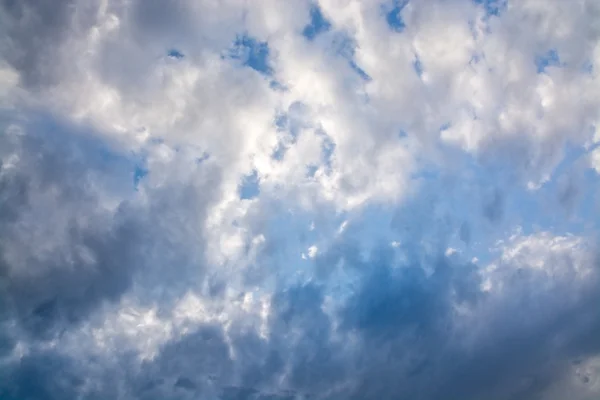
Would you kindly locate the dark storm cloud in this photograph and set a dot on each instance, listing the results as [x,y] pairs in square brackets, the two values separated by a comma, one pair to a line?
[197,363]
[44,375]
[413,318]
[64,253]
[72,235]
[54,277]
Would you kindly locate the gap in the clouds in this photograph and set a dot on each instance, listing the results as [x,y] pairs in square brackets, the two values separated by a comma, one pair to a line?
[492,7]
[175,54]
[341,42]
[327,150]
[474,204]
[249,188]
[277,86]
[318,23]
[588,67]
[279,152]
[361,72]
[289,124]
[392,15]
[252,53]
[140,172]
[294,119]
[87,145]
[445,127]
[565,204]
[418,66]
[282,125]
[549,59]
[297,238]
[346,48]
[569,204]
[311,170]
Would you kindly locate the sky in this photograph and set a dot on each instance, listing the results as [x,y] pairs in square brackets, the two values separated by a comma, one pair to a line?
[299,199]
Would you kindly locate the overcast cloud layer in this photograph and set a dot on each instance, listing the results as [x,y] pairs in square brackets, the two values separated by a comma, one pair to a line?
[332,199]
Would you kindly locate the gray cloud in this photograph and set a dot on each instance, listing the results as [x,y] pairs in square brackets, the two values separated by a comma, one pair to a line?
[82,249]
[34,35]
[62,253]
[73,234]
[407,341]
[397,335]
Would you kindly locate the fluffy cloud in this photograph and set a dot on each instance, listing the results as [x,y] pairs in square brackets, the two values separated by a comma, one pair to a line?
[292,200]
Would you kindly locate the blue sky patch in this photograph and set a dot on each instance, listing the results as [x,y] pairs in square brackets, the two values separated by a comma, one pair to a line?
[277,86]
[311,170]
[361,72]
[393,17]
[346,48]
[289,124]
[318,23]
[250,186]
[279,152]
[418,66]
[139,173]
[327,149]
[175,54]
[252,53]
[492,7]
[550,59]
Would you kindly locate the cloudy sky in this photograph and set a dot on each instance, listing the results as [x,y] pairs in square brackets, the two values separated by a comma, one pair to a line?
[299,199]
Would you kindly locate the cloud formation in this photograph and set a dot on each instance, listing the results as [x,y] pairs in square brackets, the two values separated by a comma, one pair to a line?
[299,200]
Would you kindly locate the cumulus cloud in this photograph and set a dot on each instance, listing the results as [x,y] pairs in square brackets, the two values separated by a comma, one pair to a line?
[330,199]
